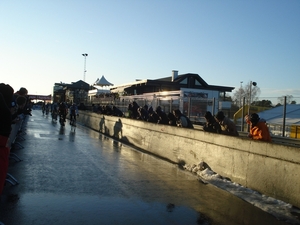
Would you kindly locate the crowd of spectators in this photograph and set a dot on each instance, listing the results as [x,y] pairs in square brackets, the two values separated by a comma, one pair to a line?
[14,106]
[146,113]
[218,123]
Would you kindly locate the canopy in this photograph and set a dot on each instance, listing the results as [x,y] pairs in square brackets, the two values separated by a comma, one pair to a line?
[102,82]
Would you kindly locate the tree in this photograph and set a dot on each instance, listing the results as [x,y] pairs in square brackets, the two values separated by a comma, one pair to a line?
[226,97]
[244,92]
[289,100]
[263,103]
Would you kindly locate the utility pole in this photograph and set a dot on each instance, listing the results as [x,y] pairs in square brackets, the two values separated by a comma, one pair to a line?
[84,70]
[254,84]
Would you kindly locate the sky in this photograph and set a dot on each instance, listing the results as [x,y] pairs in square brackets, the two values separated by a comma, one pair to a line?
[225,42]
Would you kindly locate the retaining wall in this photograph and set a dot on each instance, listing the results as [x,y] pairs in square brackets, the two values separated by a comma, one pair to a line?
[271,169]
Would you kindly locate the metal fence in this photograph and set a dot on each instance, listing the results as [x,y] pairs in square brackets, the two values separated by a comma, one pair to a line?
[195,108]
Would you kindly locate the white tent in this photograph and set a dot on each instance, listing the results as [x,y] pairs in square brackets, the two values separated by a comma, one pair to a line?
[102,82]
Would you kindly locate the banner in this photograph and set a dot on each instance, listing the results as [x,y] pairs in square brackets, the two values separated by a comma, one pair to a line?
[40,97]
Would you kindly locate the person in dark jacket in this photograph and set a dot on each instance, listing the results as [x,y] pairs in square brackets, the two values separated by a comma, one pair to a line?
[227,126]
[163,118]
[172,119]
[6,97]
[182,120]
[134,109]
[117,112]
[153,117]
[143,114]
[211,124]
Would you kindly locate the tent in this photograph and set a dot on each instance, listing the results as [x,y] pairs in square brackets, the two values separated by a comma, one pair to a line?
[275,115]
[102,82]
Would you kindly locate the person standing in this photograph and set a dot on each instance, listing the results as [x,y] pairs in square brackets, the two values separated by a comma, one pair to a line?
[6,97]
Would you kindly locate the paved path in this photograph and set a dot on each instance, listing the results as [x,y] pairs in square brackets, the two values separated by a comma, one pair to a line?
[87,178]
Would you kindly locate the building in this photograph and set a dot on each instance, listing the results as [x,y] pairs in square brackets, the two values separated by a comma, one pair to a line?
[188,92]
[76,92]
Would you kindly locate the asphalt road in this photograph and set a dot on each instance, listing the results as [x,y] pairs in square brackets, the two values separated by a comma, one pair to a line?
[83,177]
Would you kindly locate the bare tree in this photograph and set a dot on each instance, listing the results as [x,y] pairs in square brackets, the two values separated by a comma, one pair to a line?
[244,91]
[289,100]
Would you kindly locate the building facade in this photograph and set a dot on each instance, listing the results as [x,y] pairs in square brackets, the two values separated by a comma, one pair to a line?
[76,92]
[188,92]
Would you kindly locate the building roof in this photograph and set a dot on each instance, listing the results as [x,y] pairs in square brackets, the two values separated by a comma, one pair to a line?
[188,80]
[275,115]
[77,85]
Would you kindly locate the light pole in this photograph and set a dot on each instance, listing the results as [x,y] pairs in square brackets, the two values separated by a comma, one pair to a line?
[84,71]
[241,93]
[254,84]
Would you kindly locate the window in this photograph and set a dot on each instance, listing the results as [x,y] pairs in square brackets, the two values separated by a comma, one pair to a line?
[197,83]
[184,81]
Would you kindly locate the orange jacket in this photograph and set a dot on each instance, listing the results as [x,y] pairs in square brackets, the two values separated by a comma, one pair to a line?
[260,131]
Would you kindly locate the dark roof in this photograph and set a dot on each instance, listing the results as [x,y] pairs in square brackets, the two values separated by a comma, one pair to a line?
[196,77]
[188,80]
[78,85]
[182,77]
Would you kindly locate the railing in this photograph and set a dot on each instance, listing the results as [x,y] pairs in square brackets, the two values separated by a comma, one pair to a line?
[195,108]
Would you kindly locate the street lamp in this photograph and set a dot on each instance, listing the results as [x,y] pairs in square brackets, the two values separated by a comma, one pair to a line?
[254,84]
[84,71]
[241,88]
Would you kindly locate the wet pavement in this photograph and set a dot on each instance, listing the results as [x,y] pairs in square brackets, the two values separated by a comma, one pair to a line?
[83,177]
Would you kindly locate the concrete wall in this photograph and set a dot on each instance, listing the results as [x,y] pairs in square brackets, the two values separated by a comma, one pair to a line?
[268,168]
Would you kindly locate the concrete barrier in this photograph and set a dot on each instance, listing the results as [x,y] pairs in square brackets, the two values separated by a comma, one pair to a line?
[268,168]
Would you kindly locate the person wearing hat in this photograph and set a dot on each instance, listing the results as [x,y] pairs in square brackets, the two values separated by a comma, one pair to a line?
[227,126]
[211,124]
[258,128]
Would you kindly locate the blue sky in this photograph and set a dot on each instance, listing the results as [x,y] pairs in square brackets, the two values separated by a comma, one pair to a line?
[225,42]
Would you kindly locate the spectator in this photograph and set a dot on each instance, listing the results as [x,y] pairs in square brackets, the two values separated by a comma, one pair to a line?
[153,117]
[134,110]
[163,118]
[172,119]
[6,96]
[145,112]
[182,120]
[108,110]
[211,124]
[227,126]
[94,108]
[258,128]
[99,109]
[22,101]
[117,112]
[22,91]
